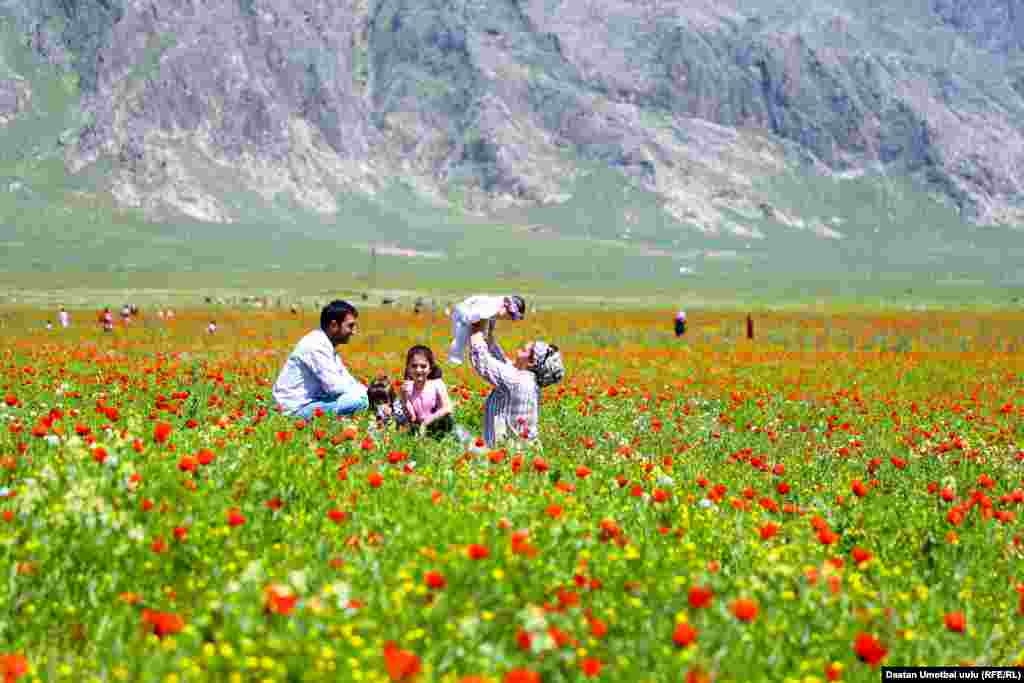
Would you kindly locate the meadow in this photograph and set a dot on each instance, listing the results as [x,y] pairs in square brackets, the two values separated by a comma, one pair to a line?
[843,492]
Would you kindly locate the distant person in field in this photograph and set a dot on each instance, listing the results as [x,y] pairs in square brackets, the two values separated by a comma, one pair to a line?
[107,320]
[477,308]
[314,375]
[212,327]
[64,318]
[512,410]
[126,314]
[680,323]
[425,398]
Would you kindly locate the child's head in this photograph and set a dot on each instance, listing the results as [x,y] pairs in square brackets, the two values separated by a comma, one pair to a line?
[515,307]
[379,392]
[420,364]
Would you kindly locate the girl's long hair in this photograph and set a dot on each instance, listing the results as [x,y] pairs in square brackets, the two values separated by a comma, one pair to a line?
[421,350]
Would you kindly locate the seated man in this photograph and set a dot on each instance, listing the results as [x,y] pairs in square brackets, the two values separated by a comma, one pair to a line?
[314,376]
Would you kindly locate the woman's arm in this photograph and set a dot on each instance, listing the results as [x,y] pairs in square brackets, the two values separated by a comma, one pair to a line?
[492,342]
[491,369]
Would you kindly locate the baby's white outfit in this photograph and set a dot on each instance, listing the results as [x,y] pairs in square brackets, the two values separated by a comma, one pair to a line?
[473,309]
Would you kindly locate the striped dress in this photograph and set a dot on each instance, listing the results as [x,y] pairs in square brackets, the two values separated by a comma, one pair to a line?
[512,409]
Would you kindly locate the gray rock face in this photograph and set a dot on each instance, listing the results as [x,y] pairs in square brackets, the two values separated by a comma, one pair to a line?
[505,99]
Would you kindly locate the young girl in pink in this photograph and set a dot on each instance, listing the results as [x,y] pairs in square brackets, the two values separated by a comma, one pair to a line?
[424,395]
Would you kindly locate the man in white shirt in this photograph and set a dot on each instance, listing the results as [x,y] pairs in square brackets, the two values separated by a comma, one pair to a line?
[64,317]
[314,376]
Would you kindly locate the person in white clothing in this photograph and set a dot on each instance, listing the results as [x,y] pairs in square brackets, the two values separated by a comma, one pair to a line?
[314,377]
[475,309]
[64,317]
[212,327]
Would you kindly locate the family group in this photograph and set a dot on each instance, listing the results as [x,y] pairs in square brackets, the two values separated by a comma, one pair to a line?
[315,381]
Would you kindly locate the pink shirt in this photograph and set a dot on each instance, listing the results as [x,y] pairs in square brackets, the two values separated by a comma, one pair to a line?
[422,404]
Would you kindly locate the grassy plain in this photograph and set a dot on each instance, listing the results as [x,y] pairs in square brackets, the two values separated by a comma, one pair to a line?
[843,492]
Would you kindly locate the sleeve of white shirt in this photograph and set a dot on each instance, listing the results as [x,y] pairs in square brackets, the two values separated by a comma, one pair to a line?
[335,378]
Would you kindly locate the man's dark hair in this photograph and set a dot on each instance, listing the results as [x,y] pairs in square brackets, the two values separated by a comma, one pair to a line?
[336,310]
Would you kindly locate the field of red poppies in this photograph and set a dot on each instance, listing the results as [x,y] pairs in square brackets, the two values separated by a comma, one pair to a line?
[840,493]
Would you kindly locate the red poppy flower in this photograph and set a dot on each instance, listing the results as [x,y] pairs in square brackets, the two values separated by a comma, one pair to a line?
[520,542]
[275,503]
[700,596]
[583,471]
[435,580]
[477,552]
[860,555]
[827,536]
[553,511]
[187,464]
[540,465]
[235,517]
[402,665]
[278,600]
[684,635]
[181,533]
[768,530]
[375,479]
[161,431]
[744,609]
[162,623]
[697,675]
[598,628]
[522,676]
[591,667]
[337,515]
[859,489]
[13,667]
[204,457]
[955,621]
[869,649]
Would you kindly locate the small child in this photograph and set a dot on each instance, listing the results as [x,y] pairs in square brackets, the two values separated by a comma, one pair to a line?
[424,395]
[477,308]
[384,402]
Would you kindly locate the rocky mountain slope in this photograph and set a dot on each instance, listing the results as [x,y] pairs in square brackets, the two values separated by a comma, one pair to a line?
[720,118]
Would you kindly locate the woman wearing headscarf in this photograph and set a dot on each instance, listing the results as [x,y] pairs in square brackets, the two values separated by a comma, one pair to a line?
[512,410]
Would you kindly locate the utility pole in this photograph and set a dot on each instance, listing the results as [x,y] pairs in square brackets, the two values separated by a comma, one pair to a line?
[372,274]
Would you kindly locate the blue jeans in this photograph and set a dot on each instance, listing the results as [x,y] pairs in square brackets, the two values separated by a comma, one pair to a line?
[346,404]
